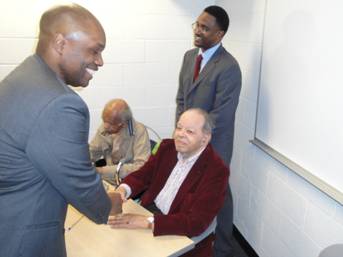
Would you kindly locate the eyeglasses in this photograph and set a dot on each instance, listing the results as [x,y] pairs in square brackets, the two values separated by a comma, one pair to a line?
[200,27]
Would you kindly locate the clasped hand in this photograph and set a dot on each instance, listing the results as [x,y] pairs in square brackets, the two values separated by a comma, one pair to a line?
[127,220]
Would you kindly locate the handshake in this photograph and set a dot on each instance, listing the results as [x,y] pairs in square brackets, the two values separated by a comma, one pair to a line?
[117,198]
[127,220]
[117,203]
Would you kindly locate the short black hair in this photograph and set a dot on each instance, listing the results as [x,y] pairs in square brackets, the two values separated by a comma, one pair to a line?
[221,16]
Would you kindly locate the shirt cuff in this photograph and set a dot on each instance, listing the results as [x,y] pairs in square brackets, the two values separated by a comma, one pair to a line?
[127,190]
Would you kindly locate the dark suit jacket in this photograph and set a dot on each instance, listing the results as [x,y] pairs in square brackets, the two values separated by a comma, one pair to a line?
[44,162]
[199,198]
[216,91]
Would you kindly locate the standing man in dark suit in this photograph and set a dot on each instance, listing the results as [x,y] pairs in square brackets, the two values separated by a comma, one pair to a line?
[212,82]
[44,157]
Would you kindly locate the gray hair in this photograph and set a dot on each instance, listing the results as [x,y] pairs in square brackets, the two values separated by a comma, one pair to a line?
[124,111]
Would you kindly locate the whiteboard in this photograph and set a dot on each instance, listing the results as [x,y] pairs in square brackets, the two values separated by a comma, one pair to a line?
[300,105]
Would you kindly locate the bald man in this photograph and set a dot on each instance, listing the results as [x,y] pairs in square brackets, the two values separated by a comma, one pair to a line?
[121,141]
[44,155]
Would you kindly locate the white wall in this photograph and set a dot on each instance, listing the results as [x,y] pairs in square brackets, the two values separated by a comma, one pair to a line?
[146,41]
[279,213]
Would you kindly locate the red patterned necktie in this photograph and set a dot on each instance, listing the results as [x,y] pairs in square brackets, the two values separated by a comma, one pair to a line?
[197,67]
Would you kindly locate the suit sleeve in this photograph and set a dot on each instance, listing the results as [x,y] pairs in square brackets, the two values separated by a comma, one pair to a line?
[141,179]
[226,97]
[222,113]
[58,147]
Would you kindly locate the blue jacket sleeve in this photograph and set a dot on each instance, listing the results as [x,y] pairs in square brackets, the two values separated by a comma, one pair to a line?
[58,147]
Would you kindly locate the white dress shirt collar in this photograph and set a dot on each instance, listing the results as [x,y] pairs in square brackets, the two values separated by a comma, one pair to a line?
[206,55]
[189,159]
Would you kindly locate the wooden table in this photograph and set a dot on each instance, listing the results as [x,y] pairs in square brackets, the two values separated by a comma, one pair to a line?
[87,239]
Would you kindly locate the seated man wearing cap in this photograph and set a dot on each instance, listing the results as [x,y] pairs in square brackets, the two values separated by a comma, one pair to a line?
[184,182]
[121,144]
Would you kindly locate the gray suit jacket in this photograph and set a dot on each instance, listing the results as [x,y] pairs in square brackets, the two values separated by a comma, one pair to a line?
[216,91]
[44,162]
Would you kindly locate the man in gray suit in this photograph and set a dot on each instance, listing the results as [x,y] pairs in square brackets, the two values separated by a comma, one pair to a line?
[210,79]
[44,157]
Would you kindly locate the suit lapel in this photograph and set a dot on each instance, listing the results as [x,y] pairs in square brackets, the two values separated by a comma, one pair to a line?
[193,57]
[168,164]
[210,65]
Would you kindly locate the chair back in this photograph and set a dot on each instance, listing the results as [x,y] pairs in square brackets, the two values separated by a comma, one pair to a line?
[155,139]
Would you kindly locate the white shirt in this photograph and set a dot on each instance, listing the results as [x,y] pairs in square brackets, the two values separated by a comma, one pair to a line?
[206,56]
[167,195]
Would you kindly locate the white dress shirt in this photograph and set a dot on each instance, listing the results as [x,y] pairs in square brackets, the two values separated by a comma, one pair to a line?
[206,56]
[167,195]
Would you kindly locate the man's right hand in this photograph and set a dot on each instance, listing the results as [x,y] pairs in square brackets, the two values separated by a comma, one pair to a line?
[121,190]
[116,202]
